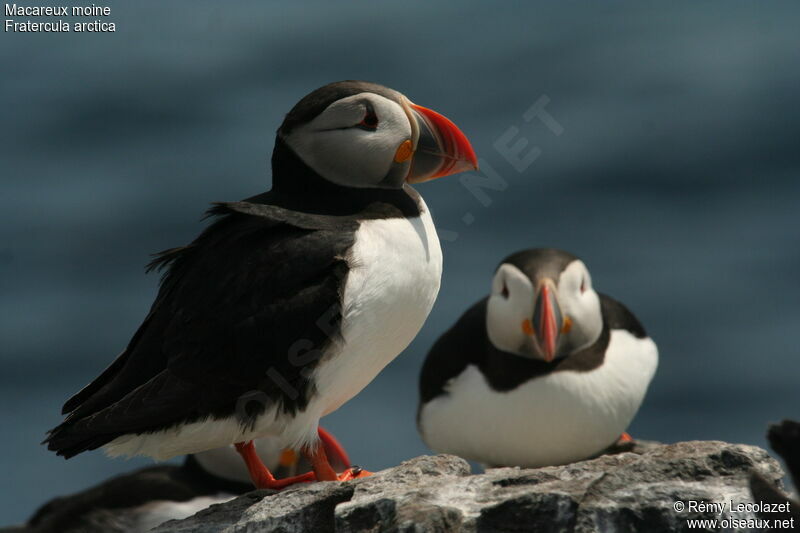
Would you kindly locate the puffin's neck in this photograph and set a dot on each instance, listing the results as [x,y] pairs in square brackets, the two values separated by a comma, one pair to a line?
[292,177]
[505,371]
[297,186]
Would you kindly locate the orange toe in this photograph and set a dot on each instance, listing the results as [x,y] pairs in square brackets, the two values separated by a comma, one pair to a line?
[355,472]
[280,484]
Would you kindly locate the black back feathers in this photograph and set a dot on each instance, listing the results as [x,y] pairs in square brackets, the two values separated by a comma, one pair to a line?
[220,338]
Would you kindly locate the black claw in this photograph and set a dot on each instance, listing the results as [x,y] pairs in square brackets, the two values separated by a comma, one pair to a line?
[355,470]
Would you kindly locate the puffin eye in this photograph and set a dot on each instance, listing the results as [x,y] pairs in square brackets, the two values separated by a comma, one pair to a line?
[370,120]
[504,292]
[583,285]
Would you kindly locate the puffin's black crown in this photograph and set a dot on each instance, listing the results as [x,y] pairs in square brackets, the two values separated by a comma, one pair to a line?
[318,100]
[540,262]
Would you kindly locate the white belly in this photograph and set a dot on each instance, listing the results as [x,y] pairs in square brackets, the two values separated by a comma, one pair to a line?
[395,272]
[556,419]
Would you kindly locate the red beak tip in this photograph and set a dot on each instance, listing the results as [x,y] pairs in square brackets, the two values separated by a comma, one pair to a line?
[459,146]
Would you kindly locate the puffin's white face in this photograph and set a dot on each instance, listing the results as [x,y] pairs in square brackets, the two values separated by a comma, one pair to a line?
[358,141]
[543,318]
[370,136]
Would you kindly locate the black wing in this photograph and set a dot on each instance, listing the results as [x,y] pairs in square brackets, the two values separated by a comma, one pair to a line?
[239,321]
[112,498]
[461,345]
[617,316]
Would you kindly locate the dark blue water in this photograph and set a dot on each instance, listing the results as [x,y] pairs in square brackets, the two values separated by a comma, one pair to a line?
[676,177]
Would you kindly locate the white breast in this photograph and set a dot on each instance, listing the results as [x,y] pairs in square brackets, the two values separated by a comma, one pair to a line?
[555,419]
[395,272]
[392,284]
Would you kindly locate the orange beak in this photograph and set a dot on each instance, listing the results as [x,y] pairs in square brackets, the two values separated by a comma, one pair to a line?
[544,316]
[441,148]
[547,323]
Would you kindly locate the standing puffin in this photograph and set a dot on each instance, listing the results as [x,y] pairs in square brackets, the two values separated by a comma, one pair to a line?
[290,302]
[543,371]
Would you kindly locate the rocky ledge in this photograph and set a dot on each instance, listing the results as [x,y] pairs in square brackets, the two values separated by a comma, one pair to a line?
[634,490]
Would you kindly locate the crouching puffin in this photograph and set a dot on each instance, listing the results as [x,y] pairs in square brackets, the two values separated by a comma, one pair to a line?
[141,500]
[543,371]
[290,302]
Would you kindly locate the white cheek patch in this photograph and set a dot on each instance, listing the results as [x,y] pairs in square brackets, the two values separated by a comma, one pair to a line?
[505,314]
[583,308]
[569,281]
[347,155]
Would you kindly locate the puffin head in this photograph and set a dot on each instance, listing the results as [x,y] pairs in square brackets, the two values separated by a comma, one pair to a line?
[542,305]
[363,135]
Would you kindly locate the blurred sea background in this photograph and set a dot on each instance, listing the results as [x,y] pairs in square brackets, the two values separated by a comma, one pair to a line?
[676,178]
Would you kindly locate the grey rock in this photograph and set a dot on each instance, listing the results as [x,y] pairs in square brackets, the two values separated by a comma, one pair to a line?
[296,510]
[629,491]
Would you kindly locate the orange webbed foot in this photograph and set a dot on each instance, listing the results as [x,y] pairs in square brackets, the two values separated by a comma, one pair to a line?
[354,472]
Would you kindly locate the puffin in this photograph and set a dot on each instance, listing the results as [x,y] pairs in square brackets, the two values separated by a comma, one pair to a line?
[289,302]
[543,371]
[141,500]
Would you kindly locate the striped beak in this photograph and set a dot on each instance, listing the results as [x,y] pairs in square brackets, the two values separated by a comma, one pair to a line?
[441,149]
[547,322]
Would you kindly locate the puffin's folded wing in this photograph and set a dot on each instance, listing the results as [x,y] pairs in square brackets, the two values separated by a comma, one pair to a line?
[243,311]
[160,401]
